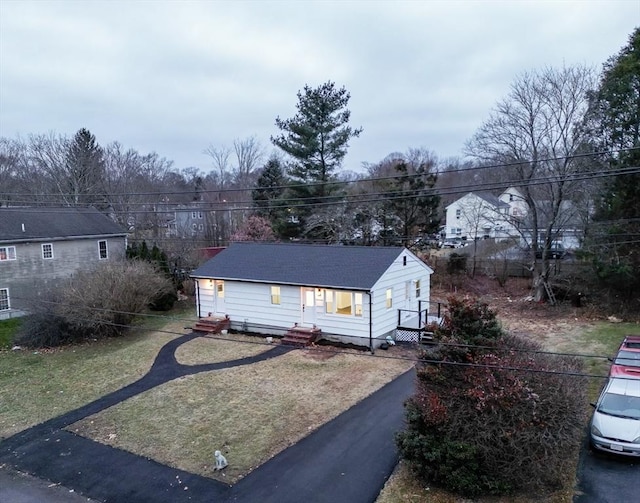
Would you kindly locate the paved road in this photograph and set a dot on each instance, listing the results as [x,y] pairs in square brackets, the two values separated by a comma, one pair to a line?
[607,479]
[17,487]
[348,459]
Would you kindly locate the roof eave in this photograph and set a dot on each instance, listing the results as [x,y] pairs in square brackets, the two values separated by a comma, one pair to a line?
[285,283]
[61,238]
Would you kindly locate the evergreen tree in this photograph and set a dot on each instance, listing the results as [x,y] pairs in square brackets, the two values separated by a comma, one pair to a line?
[85,169]
[614,120]
[316,138]
[269,189]
[411,199]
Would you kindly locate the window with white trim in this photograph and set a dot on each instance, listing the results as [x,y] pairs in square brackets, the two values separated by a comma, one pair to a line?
[220,289]
[328,301]
[389,298]
[7,253]
[275,295]
[417,289]
[47,250]
[103,252]
[4,299]
[358,303]
[342,302]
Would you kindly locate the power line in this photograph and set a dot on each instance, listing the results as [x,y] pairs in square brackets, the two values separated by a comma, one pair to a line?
[341,199]
[187,320]
[424,361]
[344,182]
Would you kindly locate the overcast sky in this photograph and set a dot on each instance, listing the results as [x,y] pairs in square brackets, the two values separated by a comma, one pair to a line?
[174,77]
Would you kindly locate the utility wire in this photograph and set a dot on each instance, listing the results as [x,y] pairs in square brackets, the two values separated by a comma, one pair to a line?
[425,361]
[332,182]
[365,180]
[338,199]
[187,320]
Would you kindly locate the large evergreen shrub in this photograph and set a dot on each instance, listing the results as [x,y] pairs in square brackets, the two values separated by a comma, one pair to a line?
[496,415]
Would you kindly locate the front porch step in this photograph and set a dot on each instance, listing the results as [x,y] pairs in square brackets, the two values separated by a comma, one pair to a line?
[212,324]
[301,336]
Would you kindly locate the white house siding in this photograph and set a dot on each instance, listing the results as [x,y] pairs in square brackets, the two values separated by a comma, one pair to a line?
[249,305]
[350,328]
[477,219]
[30,276]
[396,277]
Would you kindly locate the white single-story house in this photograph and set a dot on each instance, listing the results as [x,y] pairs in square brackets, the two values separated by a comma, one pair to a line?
[354,294]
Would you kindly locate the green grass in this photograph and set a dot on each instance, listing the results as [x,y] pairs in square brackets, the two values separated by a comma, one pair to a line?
[36,385]
[8,328]
[250,413]
[604,338]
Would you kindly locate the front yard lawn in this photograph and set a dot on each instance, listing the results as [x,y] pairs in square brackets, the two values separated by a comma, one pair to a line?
[250,413]
[39,385]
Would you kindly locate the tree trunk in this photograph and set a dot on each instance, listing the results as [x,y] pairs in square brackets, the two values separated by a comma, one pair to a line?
[540,277]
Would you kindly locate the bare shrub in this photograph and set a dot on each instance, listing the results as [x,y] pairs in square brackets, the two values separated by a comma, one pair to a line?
[493,419]
[100,302]
[189,287]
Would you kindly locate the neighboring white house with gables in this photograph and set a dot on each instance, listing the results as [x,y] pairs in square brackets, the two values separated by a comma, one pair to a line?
[482,215]
[41,246]
[351,294]
[478,215]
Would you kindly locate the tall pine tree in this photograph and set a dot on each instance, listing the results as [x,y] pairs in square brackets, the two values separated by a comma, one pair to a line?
[614,120]
[85,169]
[316,139]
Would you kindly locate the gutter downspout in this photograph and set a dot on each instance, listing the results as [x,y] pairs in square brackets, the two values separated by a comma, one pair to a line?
[370,323]
[198,308]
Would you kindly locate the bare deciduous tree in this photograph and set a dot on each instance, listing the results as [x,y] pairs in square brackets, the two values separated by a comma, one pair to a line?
[536,131]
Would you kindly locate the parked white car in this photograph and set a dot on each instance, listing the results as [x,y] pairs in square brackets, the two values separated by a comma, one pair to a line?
[615,425]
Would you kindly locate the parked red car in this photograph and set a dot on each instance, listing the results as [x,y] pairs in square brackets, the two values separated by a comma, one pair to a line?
[627,360]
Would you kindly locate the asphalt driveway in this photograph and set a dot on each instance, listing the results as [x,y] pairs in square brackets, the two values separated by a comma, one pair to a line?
[347,459]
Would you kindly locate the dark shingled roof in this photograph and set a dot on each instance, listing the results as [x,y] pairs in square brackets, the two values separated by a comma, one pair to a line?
[42,223]
[490,198]
[351,267]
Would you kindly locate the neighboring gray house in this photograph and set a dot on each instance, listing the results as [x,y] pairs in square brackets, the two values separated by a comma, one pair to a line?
[351,294]
[190,221]
[40,246]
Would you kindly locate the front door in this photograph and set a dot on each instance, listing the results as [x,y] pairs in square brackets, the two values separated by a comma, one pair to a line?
[308,307]
[219,297]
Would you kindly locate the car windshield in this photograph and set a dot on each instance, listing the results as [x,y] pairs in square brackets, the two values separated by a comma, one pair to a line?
[620,405]
[627,358]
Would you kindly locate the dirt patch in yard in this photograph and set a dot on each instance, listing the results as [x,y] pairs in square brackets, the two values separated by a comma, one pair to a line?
[555,327]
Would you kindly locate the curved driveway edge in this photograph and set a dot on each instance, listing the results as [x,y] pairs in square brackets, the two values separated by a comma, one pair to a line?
[348,459]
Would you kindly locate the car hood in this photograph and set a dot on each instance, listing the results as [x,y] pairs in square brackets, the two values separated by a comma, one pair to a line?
[617,427]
